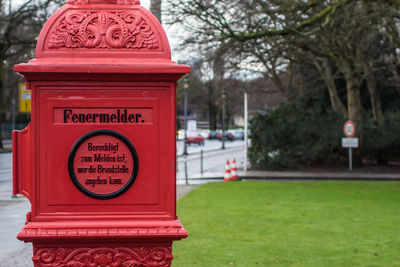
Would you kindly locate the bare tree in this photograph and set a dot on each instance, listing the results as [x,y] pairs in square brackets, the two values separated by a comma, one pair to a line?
[337,35]
[155,8]
[19,27]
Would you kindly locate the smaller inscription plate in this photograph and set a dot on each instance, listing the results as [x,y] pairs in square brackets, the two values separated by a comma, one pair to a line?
[103,164]
[350,142]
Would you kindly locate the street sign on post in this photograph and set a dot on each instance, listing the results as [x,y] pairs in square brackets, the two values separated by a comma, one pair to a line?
[349,142]
[24,98]
[349,130]
[192,125]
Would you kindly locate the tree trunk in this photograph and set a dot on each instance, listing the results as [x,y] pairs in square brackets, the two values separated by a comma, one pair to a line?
[374,95]
[155,8]
[227,116]
[300,81]
[218,77]
[354,108]
[327,76]
[3,50]
[212,115]
[354,104]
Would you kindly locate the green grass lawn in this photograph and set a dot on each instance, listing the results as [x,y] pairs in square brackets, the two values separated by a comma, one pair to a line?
[290,224]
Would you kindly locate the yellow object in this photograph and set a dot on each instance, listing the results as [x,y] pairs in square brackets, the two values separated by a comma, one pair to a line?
[24,98]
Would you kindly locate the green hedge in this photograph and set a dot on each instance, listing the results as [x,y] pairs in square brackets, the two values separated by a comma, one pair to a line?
[309,132]
[383,143]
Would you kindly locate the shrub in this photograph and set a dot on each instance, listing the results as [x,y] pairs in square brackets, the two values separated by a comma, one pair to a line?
[304,132]
[383,143]
[308,132]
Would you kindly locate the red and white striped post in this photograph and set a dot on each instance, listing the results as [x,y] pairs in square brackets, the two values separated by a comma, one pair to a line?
[227,176]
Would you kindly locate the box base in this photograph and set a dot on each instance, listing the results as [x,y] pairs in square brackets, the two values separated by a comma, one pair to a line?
[109,254]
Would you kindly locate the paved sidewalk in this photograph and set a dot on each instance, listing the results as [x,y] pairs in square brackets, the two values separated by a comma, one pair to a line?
[182,190]
[12,251]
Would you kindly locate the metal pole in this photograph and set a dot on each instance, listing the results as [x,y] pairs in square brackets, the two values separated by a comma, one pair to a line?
[223,118]
[185,87]
[186,171]
[245,131]
[350,159]
[201,162]
[13,112]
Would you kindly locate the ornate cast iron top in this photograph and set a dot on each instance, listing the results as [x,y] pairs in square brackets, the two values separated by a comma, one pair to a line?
[103,30]
[89,2]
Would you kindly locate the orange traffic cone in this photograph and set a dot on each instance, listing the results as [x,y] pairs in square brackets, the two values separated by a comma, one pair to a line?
[227,176]
[234,171]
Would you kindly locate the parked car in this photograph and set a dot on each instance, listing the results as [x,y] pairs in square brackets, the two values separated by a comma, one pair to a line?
[238,134]
[213,134]
[228,136]
[195,139]
[204,133]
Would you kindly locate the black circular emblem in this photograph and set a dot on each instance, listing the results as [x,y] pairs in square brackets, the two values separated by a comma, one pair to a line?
[103,164]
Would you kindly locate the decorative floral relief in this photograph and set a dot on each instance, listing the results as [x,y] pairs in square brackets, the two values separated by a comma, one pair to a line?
[103,257]
[103,30]
[84,2]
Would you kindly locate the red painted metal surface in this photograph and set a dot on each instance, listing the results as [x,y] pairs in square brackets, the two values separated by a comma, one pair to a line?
[21,162]
[98,159]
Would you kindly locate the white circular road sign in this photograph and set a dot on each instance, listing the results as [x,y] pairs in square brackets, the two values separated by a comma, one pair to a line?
[349,129]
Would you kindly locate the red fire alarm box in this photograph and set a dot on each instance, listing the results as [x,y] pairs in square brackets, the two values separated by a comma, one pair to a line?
[97,161]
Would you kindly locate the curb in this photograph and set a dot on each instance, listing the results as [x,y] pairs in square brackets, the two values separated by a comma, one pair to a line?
[208,150]
[321,175]
[350,179]
[293,176]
